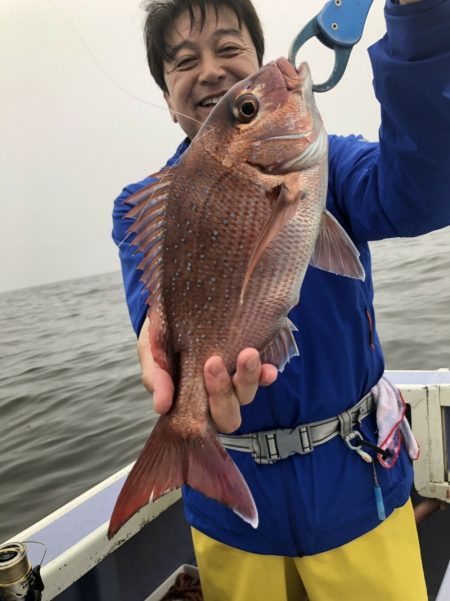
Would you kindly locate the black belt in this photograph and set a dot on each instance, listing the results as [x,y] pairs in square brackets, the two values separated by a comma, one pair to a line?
[270,446]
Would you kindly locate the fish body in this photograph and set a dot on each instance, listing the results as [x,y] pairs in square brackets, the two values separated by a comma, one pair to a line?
[227,235]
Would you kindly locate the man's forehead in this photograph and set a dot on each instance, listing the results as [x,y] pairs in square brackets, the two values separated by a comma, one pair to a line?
[217,20]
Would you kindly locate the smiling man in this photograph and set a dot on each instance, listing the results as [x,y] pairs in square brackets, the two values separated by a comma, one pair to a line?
[205,58]
[321,534]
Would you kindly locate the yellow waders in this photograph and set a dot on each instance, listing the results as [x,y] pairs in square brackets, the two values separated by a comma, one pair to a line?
[382,565]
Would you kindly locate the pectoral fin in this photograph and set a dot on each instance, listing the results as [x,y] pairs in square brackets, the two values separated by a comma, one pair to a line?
[334,250]
[283,210]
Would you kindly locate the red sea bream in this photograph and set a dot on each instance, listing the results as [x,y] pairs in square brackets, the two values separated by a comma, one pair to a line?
[226,237]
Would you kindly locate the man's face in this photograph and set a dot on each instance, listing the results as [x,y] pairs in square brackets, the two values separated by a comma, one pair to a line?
[207,63]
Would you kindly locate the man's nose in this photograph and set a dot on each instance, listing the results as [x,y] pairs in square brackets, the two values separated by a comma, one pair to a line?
[211,70]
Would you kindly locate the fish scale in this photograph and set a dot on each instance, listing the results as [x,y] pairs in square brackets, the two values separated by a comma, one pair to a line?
[216,304]
[226,237]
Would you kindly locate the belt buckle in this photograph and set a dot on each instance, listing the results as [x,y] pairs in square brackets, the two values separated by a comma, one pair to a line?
[265,451]
[273,445]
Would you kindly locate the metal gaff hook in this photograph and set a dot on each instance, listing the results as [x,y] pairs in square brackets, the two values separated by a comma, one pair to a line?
[339,26]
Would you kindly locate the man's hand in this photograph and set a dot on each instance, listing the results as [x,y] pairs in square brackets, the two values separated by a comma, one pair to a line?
[226,394]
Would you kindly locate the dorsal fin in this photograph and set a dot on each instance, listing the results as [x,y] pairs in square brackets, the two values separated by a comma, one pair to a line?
[149,211]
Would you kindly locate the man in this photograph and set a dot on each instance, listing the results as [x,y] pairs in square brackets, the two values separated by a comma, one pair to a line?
[321,535]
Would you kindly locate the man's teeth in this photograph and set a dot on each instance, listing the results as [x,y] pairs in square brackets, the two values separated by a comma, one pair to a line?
[211,101]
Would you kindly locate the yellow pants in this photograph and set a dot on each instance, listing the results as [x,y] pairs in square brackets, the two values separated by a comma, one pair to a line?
[382,565]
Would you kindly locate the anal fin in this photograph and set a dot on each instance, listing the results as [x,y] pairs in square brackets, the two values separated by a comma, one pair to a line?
[283,348]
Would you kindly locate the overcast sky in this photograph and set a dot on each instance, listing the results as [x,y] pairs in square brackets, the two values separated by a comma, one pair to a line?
[71,139]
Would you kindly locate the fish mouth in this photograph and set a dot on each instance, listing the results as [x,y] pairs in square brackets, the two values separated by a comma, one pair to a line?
[292,77]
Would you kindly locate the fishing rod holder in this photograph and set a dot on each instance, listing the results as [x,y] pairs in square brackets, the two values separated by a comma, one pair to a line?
[18,579]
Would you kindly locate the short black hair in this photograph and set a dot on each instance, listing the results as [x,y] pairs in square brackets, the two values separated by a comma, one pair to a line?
[162,13]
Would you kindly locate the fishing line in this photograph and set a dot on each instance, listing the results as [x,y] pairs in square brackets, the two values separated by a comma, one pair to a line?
[37,542]
[105,72]
[118,86]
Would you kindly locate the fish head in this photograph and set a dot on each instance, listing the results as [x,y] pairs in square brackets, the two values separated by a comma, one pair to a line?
[268,121]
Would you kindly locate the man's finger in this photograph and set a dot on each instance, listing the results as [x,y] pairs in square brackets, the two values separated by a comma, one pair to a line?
[247,376]
[223,403]
[269,374]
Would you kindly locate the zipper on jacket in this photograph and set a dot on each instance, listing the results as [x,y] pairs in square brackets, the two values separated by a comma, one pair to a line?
[371,339]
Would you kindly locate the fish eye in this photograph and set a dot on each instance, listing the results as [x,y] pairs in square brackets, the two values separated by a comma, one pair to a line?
[246,108]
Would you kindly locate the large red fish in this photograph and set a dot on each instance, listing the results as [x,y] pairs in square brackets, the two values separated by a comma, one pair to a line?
[227,235]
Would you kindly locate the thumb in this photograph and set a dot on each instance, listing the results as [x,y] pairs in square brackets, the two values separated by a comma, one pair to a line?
[163,390]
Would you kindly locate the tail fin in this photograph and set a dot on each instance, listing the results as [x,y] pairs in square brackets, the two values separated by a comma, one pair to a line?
[169,460]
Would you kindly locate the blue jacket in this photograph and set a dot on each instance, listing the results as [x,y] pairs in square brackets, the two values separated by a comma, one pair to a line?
[399,187]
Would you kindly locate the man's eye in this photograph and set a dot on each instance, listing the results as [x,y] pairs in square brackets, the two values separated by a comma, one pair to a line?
[185,62]
[229,50]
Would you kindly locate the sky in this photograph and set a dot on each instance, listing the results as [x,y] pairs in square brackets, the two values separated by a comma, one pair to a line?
[73,133]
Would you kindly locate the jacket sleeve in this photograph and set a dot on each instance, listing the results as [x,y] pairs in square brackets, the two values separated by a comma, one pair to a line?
[135,291]
[401,186]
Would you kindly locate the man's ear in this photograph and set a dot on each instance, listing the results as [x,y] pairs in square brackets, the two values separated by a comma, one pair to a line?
[171,109]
